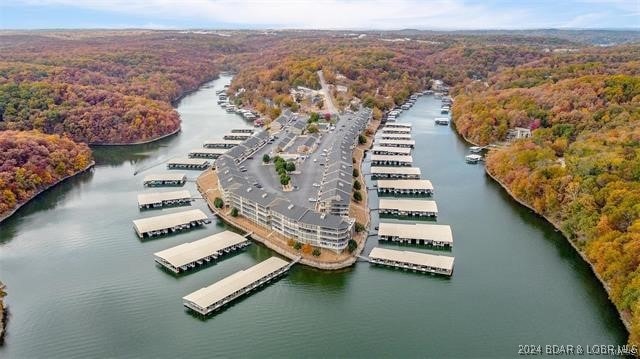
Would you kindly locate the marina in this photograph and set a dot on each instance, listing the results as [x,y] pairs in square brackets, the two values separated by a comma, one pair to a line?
[190,255]
[408,207]
[211,153]
[415,261]
[188,163]
[437,235]
[391,160]
[395,172]
[206,300]
[165,179]
[415,187]
[161,199]
[169,223]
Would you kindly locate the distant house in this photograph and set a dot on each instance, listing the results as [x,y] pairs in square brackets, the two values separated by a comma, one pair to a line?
[309,144]
[299,126]
[518,133]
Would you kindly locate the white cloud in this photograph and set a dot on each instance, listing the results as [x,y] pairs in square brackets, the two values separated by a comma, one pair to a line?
[319,14]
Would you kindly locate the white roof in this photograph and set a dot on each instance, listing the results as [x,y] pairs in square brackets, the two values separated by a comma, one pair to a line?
[395,136]
[395,170]
[398,158]
[188,161]
[186,253]
[388,129]
[234,142]
[156,197]
[406,184]
[408,204]
[145,225]
[416,258]
[213,151]
[430,232]
[219,290]
[169,176]
[238,134]
[389,149]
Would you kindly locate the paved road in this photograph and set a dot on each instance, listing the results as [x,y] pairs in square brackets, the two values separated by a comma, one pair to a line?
[327,94]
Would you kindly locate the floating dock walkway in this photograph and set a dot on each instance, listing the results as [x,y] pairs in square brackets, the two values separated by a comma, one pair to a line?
[187,256]
[161,199]
[188,163]
[212,153]
[221,143]
[419,262]
[408,207]
[395,172]
[385,150]
[405,186]
[169,223]
[437,235]
[165,179]
[206,300]
[391,160]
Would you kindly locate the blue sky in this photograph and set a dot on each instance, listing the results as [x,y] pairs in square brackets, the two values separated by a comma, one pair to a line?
[320,14]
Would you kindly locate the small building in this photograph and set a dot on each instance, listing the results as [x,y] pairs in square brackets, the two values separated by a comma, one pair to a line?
[161,199]
[169,223]
[408,207]
[518,133]
[395,172]
[419,262]
[165,179]
[437,235]
[415,187]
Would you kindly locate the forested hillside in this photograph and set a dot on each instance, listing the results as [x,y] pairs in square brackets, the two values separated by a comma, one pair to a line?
[581,168]
[31,161]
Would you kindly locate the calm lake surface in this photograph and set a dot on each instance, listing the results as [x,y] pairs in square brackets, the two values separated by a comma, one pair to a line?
[81,283]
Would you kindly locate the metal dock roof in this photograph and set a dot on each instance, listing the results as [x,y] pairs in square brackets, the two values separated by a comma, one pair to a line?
[188,161]
[145,225]
[395,170]
[408,205]
[155,197]
[209,151]
[186,253]
[169,176]
[415,258]
[221,289]
[406,184]
[382,142]
[427,232]
[392,150]
[392,158]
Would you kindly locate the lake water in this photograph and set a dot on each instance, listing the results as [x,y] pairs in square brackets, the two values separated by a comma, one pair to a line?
[81,284]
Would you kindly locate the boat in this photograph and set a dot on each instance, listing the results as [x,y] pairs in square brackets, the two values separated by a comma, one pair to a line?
[442,121]
[473,159]
[475,149]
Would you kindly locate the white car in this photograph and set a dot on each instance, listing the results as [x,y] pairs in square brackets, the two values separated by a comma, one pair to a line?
[315,160]
[316,185]
[311,199]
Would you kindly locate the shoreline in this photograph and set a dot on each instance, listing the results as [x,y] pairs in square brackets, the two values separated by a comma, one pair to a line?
[13,211]
[555,225]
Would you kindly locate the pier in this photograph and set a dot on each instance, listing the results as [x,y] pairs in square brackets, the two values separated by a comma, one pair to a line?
[396,143]
[187,256]
[169,223]
[385,150]
[160,199]
[437,235]
[208,299]
[407,186]
[188,163]
[391,160]
[211,153]
[396,172]
[408,207]
[221,143]
[415,261]
[165,179]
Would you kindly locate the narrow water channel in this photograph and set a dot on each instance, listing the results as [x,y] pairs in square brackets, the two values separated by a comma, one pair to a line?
[81,284]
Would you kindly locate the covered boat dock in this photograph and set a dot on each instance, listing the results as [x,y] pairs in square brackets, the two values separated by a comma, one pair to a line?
[405,187]
[160,199]
[408,207]
[396,143]
[208,299]
[212,153]
[165,179]
[189,255]
[221,143]
[188,163]
[419,262]
[395,172]
[391,160]
[386,150]
[437,235]
[169,223]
